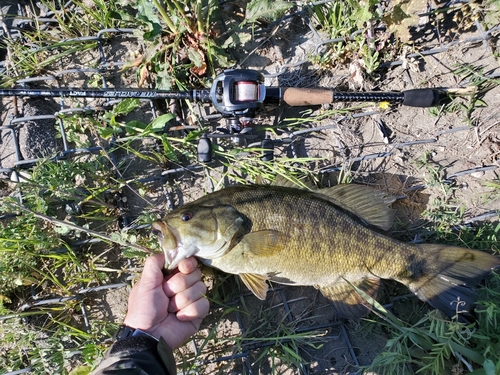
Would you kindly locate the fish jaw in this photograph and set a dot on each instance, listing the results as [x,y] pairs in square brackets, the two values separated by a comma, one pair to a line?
[174,256]
[172,247]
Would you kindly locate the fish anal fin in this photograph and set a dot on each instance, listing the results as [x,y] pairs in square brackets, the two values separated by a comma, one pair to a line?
[263,243]
[346,300]
[366,202]
[256,283]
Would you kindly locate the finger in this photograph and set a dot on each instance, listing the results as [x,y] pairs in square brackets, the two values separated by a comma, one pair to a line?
[185,298]
[188,265]
[195,311]
[152,272]
[185,266]
[180,282]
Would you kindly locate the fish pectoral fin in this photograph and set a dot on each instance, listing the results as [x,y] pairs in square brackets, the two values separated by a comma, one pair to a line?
[366,202]
[263,243]
[347,302]
[256,283]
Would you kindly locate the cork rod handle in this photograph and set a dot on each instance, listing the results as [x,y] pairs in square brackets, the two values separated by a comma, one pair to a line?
[297,97]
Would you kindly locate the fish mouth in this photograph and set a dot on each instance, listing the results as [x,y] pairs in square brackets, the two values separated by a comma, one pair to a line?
[169,243]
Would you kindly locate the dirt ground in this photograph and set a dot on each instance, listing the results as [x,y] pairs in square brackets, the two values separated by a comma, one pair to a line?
[464,152]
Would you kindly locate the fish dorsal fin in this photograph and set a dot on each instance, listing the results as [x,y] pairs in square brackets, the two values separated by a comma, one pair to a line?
[262,243]
[369,204]
[256,283]
[346,300]
[291,182]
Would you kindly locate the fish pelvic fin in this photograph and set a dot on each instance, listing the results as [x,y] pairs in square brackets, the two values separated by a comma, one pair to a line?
[256,283]
[446,280]
[366,202]
[346,301]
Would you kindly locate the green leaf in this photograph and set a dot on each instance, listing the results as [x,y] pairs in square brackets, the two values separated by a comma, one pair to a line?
[148,14]
[81,370]
[195,56]
[404,15]
[362,14]
[133,126]
[126,106]
[193,135]
[480,103]
[131,253]
[169,150]
[106,132]
[479,371]
[469,353]
[119,14]
[158,124]
[63,230]
[222,58]
[163,79]
[266,9]
[292,353]
[237,39]
[489,367]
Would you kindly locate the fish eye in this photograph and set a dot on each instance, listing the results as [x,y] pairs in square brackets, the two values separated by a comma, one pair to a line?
[186,216]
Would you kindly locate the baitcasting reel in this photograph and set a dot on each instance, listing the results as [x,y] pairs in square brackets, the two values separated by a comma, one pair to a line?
[237,94]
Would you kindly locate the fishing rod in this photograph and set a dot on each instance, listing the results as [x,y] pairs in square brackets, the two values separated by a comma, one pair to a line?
[238,94]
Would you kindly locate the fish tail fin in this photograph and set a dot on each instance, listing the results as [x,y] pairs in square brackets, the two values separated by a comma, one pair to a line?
[447,274]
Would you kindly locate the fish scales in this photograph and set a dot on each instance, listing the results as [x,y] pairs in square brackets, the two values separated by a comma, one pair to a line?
[333,241]
[299,237]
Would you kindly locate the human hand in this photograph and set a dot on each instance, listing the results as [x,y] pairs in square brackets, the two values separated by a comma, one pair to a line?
[171,306]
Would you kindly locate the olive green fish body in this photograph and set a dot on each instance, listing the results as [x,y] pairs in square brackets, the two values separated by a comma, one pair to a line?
[327,237]
[299,237]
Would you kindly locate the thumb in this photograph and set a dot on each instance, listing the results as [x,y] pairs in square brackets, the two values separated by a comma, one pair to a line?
[153,267]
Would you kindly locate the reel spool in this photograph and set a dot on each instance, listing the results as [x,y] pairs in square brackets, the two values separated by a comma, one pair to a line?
[237,94]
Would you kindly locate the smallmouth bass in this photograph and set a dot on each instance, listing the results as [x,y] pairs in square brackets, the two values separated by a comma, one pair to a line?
[326,238]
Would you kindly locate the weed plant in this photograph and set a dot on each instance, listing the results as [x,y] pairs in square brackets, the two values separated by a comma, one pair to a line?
[369,33]
[41,46]
[478,84]
[37,254]
[350,25]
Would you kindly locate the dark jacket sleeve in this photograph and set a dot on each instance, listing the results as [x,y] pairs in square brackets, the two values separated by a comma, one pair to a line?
[137,355]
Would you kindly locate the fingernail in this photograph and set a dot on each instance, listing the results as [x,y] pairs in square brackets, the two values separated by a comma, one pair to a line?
[194,263]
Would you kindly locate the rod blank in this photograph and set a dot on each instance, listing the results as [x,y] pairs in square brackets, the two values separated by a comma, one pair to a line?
[109,93]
